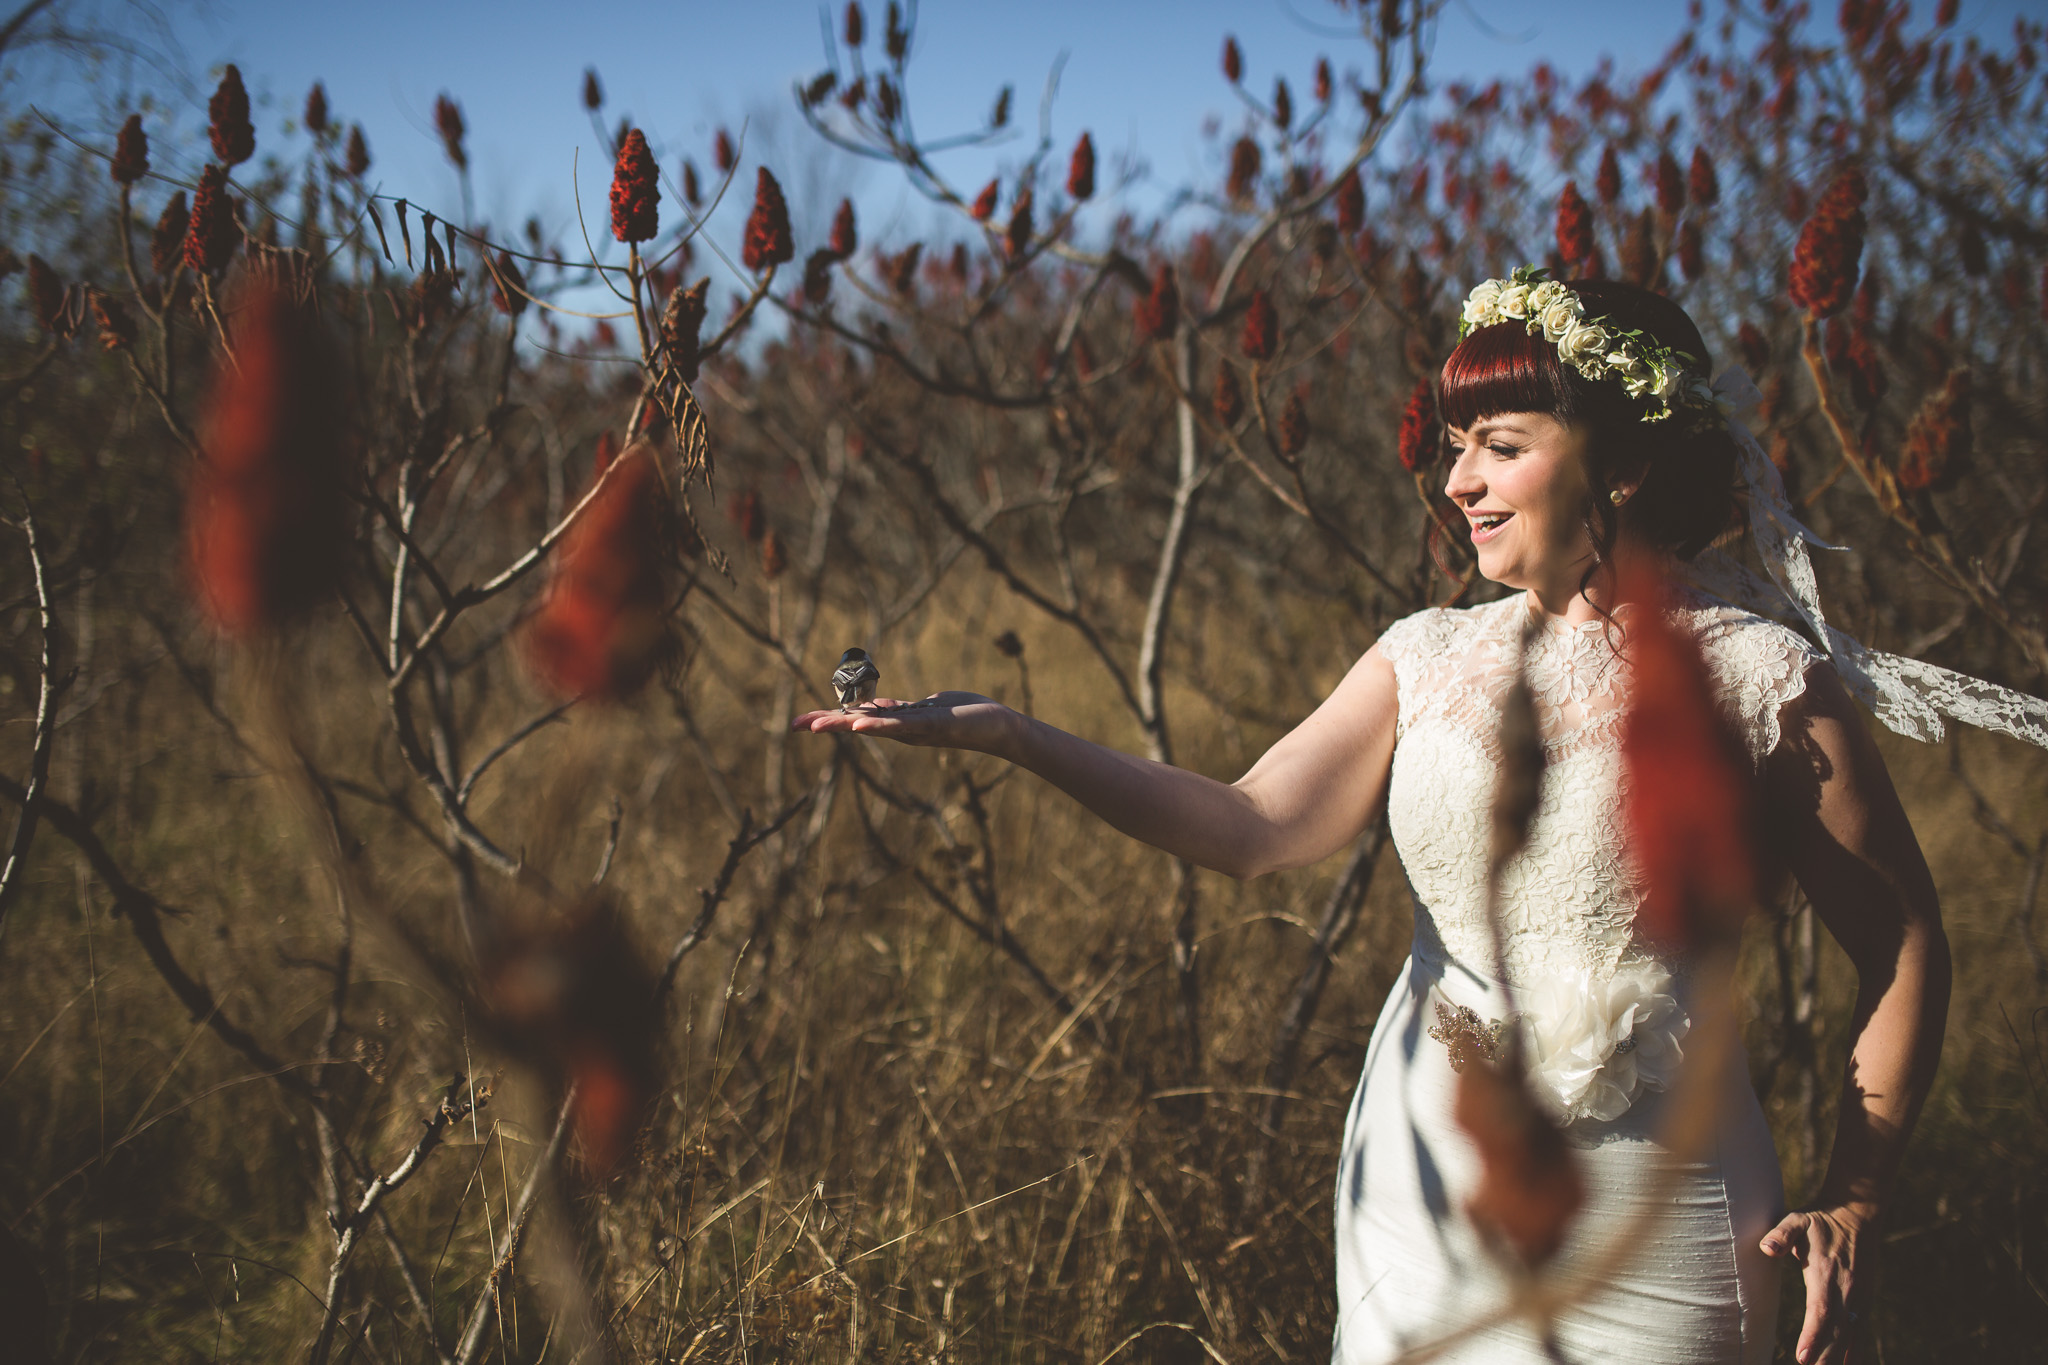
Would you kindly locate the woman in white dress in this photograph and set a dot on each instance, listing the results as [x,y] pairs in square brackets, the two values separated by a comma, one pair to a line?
[1569,446]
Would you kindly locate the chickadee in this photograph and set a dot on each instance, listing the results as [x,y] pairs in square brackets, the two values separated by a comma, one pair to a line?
[855,678]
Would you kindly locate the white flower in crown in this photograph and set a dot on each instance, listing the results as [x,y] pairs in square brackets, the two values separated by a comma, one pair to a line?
[1481,308]
[1558,315]
[1546,293]
[1582,344]
[1514,302]
[1626,363]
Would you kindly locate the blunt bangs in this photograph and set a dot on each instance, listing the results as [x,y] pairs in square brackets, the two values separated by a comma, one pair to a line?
[1500,369]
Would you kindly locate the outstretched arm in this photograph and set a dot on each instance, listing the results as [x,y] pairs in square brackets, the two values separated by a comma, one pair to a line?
[1311,793]
[1857,860]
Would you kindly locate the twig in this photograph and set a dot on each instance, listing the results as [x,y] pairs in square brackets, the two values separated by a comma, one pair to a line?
[480,1316]
[712,896]
[45,731]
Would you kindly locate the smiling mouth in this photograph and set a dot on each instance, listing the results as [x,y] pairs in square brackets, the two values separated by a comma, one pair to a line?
[1490,523]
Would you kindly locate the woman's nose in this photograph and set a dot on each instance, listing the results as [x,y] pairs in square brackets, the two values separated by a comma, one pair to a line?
[1463,481]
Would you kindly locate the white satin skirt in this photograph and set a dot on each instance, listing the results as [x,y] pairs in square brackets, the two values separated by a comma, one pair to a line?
[1411,1267]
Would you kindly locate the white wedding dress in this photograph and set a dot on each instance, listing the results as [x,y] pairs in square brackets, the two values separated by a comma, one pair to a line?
[1607,1019]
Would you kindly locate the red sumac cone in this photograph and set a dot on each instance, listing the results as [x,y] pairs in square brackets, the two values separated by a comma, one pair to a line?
[233,136]
[693,193]
[1529,1186]
[636,191]
[1688,817]
[1292,435]
[448,123]
[266,515]
[1233,61]
[508,286]
[315,117]
[722,154]
[1868,383]
[117,329]
[1670,185]
[1017,236]
[1938,439]
[1607,183]
[1639,260]
[1158,312]
[1244,170]
[895,37]
[682,325]
[1419,442]
[747,515]
[356,157]
[845,237]
[593,90]
[1324,84]
[1574,226]
[46,298]
[1283,105]
[1701,180]
[902,268]
[598,630]
[1226,404]
[1260,338]
[818,276]
[1350,197]
[856,26]
[167,243]
[131,152]
[211,237]
[774,559]
[1830,249]
[768,241]
[1081,169]
[1691,251]
[984,206]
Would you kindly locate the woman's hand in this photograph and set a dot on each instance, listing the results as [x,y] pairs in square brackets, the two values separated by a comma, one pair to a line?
[948,720]
[1827,1243]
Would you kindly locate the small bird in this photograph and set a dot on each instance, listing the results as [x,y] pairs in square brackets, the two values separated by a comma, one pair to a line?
[855,678]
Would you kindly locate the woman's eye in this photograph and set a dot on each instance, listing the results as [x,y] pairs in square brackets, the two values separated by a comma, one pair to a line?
[1504,451]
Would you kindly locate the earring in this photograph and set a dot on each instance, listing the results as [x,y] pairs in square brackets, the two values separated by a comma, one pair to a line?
[1617,497]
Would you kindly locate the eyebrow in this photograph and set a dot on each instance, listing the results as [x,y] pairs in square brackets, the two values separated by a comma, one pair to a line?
[1485,428]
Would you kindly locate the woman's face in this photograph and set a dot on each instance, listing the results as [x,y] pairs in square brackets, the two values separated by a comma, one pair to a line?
[1520,478]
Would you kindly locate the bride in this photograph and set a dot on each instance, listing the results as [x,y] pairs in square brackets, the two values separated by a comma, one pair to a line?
[1583,430]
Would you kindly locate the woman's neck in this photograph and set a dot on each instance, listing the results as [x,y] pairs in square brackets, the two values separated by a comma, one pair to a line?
[1570,603]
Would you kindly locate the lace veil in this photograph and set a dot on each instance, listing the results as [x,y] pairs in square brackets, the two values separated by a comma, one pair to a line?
[1909,696]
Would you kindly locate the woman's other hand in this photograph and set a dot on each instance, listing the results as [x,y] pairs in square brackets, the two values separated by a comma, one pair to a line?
[1831,1247]
[947,720]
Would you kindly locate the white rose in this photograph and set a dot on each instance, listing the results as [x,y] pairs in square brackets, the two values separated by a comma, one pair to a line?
[1558,315]
[1582,343]
[1543,295]
[1481,305]
[1670,383]
[1629,365]
[1514,302]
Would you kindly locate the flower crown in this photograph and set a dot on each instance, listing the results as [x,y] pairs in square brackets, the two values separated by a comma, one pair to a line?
[1595,347]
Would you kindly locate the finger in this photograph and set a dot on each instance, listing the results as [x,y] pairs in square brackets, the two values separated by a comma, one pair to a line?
[1788,1238]
[1820,1335]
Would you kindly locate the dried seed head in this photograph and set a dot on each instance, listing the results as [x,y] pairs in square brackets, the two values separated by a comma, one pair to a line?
[1017,236]
[1639,260]
[984,206]
[845,238]
[1420,440]
[1260,338]
[682,323]
[1158,313]
[1670,185]
[448,123]
[819,89]
[636,191]
[266,516]
[1830,248]
[167,243]
[1574,227]
[999,117]
[693,193]
[1081,169]
[774,559]
[1324,84]
[722,154]
[902,268]
[1283,105]
[895,37]
[1701,180]
[1244,170]
[1607,184]
[856,26]
[131,152]
[768,240]
[746,514]
[1868,383]
[1350,199]
[356,159]
[888,102]
[1227,403]
[1938,439]
[1233,61]
[315,117]
[1529,1187]
[213,234]
[233,136]
[1691,250]
[1292,436]
[508,286]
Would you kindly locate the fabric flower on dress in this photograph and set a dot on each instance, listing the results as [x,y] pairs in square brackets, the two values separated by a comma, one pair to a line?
[1595,1046]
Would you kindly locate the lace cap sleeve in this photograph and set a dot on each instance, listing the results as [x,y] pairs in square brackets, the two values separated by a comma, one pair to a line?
[1417,646]
[1759,668]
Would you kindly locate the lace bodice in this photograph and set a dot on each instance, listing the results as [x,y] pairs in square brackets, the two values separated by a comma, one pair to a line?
[1569,900]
